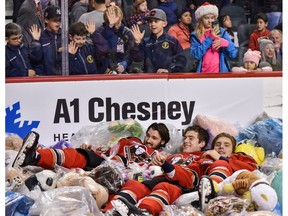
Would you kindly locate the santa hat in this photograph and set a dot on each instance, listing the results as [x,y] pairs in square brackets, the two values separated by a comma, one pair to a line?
[205,9]
[263,43]
[263,195]
[253,56]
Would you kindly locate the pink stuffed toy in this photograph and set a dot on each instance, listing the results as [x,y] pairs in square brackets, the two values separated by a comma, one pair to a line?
[214,126]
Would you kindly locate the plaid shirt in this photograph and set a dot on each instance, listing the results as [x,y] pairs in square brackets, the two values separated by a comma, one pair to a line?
[136,17]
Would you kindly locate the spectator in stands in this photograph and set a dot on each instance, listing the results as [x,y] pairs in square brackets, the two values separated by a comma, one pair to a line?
[83,56]
[211,45]
[194,4]
[51,41]
[140,11]
[261,31]
[120,41]
[96,15]
[77,9]
[276,37]
[16,6]
[30,13]
[251,61]
[183,28]
[274,11]
[269,55]
[161,52]
[226,23]
[19,56]
[171,10]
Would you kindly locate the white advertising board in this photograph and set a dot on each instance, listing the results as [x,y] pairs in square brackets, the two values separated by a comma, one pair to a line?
[56,110]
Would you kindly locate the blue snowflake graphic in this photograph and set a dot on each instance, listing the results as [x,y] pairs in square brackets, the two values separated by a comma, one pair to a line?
[13,123]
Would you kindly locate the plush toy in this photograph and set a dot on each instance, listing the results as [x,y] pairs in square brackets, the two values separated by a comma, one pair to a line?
[129,125]
[99,192]
[41,181]
[250,147]
[155,171]
[268,133]
[105,135]
[14,179]
[248,185]
[108,176]
[13,142]
[10,156]
[214,125]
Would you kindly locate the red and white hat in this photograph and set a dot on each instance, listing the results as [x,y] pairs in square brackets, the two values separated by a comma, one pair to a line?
[205,9]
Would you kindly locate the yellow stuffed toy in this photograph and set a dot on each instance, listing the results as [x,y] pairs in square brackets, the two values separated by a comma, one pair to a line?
[248,185]
[249,147]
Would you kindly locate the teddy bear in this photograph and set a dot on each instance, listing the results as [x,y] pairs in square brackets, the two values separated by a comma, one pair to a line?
[13,142]
[30,185]
[248,185]
[99,192]
[14,179]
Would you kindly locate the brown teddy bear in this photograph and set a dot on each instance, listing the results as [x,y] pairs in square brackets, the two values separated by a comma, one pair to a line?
[13,142]
[250,186]
[99,192]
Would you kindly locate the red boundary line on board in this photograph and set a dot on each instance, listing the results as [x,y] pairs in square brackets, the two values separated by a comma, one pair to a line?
[140,76]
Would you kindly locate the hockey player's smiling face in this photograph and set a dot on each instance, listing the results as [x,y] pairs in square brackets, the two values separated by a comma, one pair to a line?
[191,142]
[153,139]
[157,26]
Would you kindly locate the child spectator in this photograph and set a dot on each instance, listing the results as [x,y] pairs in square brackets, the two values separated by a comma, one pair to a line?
[226,23]
[77,9]
[50,41]
[183,28]
[18,55]
[171,9]
[261,31]
[83,56]
[276,37]
[120,41]
[211,45]
[251,61]
[140,12]
[268,54]
[161,52]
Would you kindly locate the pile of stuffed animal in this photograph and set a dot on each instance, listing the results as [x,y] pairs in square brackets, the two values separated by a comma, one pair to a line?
[34,191]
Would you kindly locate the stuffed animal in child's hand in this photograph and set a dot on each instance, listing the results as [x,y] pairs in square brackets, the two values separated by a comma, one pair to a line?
[99,192]
[248,185]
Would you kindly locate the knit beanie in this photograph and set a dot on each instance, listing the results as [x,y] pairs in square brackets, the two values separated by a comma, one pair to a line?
[263,43]
[263,195]
[205,9]
[182,11]
[253,56]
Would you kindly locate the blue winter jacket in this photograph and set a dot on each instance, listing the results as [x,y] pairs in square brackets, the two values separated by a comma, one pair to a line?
[85,60]
[51,60]
[198,50]
[19,59]
[116,38]
[163,52]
